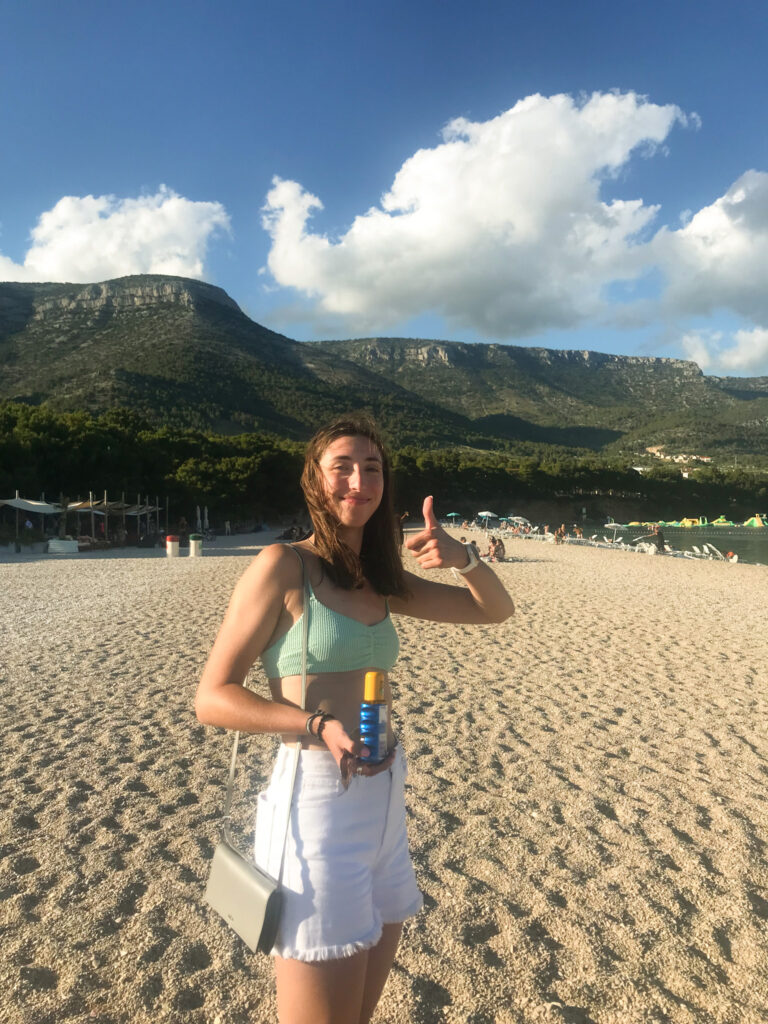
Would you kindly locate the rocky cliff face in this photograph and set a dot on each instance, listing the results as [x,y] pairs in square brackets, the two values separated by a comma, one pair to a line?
[396,353]
[600,359]
[21,304]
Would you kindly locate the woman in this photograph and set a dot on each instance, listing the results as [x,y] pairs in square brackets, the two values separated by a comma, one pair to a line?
[348,881]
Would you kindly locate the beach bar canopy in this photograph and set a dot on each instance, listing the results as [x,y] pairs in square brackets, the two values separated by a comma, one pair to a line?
[47,508]
[42,508]
[100,507]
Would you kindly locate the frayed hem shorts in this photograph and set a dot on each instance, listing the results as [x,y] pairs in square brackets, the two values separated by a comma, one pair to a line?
[347,868]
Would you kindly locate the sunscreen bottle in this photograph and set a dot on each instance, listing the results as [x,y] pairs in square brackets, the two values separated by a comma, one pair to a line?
[374,718]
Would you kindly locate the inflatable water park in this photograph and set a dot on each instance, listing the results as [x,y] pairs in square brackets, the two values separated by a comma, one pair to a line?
[757,521]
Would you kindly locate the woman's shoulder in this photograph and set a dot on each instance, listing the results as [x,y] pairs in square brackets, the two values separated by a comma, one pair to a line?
[276,564]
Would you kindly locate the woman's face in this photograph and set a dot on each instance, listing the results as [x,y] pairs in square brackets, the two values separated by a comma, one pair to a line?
[353,474]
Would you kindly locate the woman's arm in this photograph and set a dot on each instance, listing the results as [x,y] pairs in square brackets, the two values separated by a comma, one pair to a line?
[483,600]
[253,614]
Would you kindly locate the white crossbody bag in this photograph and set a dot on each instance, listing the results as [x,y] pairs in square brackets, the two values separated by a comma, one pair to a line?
[248,898]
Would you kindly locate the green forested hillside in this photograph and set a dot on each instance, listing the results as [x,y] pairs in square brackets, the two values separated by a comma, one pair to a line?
[585,398]
[181,354]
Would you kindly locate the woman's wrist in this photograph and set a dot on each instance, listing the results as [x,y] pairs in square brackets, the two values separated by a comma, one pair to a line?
[315,724]
[312,723]
[470,560]
[325,718]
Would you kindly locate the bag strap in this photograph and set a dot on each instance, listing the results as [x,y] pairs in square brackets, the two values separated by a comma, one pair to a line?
[297,749]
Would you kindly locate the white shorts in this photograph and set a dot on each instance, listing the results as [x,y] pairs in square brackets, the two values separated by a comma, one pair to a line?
[347,868]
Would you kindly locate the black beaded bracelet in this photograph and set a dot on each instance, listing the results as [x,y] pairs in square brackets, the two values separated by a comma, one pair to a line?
[325,718]
[310,720]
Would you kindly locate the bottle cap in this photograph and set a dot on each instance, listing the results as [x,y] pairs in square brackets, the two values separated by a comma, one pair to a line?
[374,686]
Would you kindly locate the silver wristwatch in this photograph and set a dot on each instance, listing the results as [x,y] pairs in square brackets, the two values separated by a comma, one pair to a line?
[472,560]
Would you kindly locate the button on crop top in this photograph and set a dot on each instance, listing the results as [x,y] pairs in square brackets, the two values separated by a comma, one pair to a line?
[336,643]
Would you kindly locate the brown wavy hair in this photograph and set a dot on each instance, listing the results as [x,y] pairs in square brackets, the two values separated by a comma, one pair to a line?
[379,561]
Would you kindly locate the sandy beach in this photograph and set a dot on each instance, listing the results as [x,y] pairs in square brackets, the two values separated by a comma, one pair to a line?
[587,801]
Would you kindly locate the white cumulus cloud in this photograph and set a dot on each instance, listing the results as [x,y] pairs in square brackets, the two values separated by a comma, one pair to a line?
[500,228]
[719,259]
[701,347]
[749,353]
[93,238]
[746,352]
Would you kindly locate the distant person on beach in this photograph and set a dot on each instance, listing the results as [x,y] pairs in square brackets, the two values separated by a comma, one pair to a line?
[658,539]
[402,520]
[496,550]
[348,882]
[183,531]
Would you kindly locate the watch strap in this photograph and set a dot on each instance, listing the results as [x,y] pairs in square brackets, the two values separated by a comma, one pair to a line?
[473,560]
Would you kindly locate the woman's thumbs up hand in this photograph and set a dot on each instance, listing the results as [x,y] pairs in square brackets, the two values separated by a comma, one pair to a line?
[432,547]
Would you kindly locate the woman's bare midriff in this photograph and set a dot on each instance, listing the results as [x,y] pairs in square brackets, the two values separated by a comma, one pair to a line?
[338,693]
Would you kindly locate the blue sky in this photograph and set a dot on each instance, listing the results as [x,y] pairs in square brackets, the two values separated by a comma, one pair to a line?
[574,175]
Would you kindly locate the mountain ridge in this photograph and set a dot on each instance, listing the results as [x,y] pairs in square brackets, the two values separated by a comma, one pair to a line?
[182,352]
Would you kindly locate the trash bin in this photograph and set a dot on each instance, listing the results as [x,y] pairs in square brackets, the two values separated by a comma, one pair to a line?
[171,546]
[195,545]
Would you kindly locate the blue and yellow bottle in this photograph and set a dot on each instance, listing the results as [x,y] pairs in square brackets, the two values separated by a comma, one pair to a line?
[374,717]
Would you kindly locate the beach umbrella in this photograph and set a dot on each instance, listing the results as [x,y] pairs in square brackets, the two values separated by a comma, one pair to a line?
[520,523]
[198,521]
[453,515]
[486,516]
[206,524]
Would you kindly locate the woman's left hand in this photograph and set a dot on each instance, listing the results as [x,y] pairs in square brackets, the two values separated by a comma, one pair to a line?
[433,548]
[346,752]
[353,765]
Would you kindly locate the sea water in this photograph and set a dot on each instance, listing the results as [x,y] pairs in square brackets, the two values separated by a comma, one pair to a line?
[749,543]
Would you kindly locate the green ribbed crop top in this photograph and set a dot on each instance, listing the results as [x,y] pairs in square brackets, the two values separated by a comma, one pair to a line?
[336,643]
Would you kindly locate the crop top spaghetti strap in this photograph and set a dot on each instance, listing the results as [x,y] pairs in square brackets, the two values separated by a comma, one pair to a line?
[336,643]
